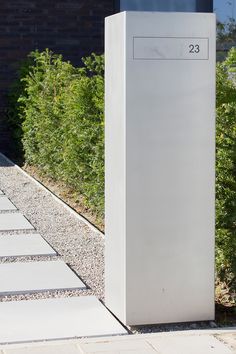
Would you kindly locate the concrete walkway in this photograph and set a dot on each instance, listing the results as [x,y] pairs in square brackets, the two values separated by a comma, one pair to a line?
[191,342]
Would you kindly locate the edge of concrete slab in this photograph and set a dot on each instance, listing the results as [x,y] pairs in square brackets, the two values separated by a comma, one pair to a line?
[117,338]
[58,199]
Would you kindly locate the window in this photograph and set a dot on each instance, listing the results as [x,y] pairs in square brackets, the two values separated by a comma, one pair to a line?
[165,5]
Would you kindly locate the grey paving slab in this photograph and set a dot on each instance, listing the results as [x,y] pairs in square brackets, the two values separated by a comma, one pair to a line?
[22,321]
[24,245]
[189,344]
[6,204]
[30,277]
[45,349]
[229,339]
[138,346]
[14,221]
[136,351]
[1,192]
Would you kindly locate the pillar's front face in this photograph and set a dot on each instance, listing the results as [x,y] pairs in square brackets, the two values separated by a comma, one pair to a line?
[160,157]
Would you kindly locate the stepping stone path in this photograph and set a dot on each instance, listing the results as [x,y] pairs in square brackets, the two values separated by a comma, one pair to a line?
[46,319]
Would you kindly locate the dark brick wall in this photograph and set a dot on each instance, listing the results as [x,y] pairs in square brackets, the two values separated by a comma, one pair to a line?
[73,28]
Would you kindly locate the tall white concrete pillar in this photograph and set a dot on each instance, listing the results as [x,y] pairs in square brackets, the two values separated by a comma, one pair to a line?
[160,157]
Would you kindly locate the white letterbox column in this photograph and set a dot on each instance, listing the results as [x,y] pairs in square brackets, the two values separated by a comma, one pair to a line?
[160,157]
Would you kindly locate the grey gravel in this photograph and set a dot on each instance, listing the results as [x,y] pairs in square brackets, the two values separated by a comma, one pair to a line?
[79,246]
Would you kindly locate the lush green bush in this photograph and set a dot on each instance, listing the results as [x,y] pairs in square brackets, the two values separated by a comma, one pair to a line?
[226,171]
[60,109]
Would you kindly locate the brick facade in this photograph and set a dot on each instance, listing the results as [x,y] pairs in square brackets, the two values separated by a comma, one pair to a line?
[73,28]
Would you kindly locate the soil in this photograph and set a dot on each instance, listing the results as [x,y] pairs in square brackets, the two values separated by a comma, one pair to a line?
[225,315]
[66,194]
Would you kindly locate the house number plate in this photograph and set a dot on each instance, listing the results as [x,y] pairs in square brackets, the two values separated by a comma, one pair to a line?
[170,48]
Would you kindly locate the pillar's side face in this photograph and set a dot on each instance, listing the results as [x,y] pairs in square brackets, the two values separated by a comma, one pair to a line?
[169,155]
[115,186]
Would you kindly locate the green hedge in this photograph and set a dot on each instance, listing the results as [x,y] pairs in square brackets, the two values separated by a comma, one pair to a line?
[58,111]
[226,171]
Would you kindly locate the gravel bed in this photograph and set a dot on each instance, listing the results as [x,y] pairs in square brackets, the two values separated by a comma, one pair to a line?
[80,246]
[29,259]
[46,295]
[9,211]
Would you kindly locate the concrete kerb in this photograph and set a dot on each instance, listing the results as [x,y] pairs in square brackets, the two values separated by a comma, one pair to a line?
[59,200]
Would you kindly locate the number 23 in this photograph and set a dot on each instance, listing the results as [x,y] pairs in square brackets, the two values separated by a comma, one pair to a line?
[194,48]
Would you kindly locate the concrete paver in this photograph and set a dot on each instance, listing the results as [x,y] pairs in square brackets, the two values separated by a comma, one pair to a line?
[24,245]
[6,204]
[141,351]
[45,349]
[126,346]
[189,344]
[56,318]
[16,221]
[229,339]
[21,277]
[184,342]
